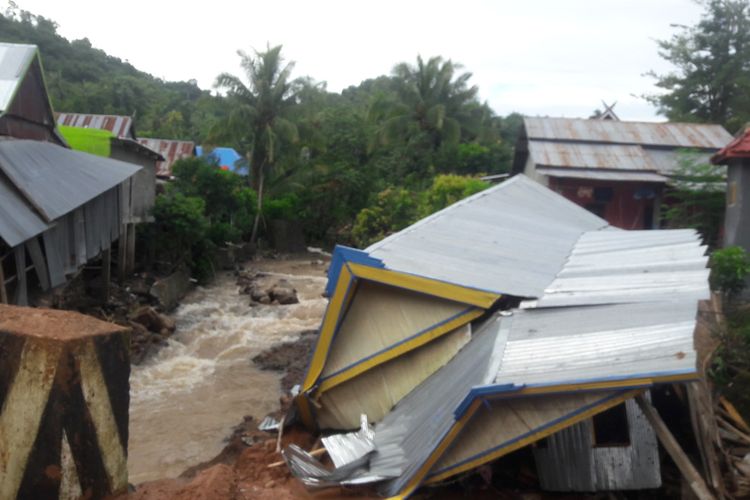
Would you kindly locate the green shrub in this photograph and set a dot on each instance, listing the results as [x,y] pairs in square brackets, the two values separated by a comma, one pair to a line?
[448,189]
[393,210]
[729,268]
[181,230]
[286,207]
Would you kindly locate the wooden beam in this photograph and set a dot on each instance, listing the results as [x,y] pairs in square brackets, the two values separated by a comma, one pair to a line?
[106,271]
[130,267]
[688,470]
[122,248]
[3,290]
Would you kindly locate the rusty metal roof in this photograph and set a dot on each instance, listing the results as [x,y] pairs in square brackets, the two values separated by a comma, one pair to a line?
[172,150]
[120,126]
[738,148]
[584,155]
[674,135]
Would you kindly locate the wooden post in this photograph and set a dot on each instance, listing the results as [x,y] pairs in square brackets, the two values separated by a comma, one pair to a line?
[106,271]
[688,470]
[130,267]
[64,396]
[3,290]
[122,250]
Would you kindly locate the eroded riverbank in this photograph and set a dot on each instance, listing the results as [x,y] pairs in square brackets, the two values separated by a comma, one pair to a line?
[186,399]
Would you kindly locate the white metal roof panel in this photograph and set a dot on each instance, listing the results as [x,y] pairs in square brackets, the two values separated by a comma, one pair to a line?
[511,239]
[594,343]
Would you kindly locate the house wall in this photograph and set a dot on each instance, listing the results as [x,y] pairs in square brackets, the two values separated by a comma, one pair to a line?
[139,192]
[737,220]
[627,205]
[571,462]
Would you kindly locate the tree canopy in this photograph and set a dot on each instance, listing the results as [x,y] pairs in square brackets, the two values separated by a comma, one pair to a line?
[711,80]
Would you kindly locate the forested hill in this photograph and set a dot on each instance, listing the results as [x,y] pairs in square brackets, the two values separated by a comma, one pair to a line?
[83,79]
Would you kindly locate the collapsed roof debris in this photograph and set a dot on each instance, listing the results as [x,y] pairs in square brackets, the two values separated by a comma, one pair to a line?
[487,326]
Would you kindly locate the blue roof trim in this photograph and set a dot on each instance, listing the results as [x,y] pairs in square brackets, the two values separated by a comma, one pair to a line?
[481,391]
[407,339]
[505,389]
[342,255]
[532,432]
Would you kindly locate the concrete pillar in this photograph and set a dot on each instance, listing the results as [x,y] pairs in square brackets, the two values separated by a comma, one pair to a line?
[64,396]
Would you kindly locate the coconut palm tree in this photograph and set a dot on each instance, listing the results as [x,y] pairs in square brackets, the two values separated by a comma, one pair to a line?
[257,122]
[430,101]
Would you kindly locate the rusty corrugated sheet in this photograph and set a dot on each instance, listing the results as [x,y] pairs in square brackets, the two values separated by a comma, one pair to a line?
[171,150]
[120,126]
[675,135]
[584,155]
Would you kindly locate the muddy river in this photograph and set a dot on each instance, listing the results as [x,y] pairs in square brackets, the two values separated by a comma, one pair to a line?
[186,399]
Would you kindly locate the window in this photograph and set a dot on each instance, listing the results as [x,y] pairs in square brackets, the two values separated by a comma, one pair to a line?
[611,427]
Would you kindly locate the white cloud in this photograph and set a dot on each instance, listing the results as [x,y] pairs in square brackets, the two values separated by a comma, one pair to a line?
[537,57]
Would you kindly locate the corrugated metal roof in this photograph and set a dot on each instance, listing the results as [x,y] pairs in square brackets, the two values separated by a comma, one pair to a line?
[618,307]
[614,266]
[18,220]
[738,148]
[120,126]
[172,150]
[678,135]
[582,155]
[520,234]
[14,61]
[555,346]
[56,180]
[602,175]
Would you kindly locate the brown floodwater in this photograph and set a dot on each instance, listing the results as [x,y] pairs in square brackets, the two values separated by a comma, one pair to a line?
[186,399]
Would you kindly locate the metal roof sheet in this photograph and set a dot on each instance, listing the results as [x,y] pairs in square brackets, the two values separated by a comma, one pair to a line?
[738,148]
[520,234]
[555,346]
[14,61]
[172,150]
[120,126]
[676,135]
[630,266]
[582,155]
[56,180]
[620,307]
[18,220]
[602,175]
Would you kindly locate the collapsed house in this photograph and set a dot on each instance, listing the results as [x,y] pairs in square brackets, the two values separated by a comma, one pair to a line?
[58,208]
[616,169]
[508,317]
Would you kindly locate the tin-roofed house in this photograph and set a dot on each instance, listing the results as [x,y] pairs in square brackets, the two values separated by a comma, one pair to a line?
[59,208]
[172,150]
[616,169]
[95,134]
[501,320]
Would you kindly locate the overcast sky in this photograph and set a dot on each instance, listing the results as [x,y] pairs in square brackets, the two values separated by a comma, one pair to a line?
[543,57]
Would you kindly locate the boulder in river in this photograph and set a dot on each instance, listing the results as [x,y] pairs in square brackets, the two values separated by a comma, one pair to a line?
[283,293]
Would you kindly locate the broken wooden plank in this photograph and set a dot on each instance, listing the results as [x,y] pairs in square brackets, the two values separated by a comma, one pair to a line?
[734,414]
[688,470]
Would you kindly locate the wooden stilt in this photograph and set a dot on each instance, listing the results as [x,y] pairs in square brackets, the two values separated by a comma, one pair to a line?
[131,249]
[106,271]
[3,290]
[688,470]
[122,250]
